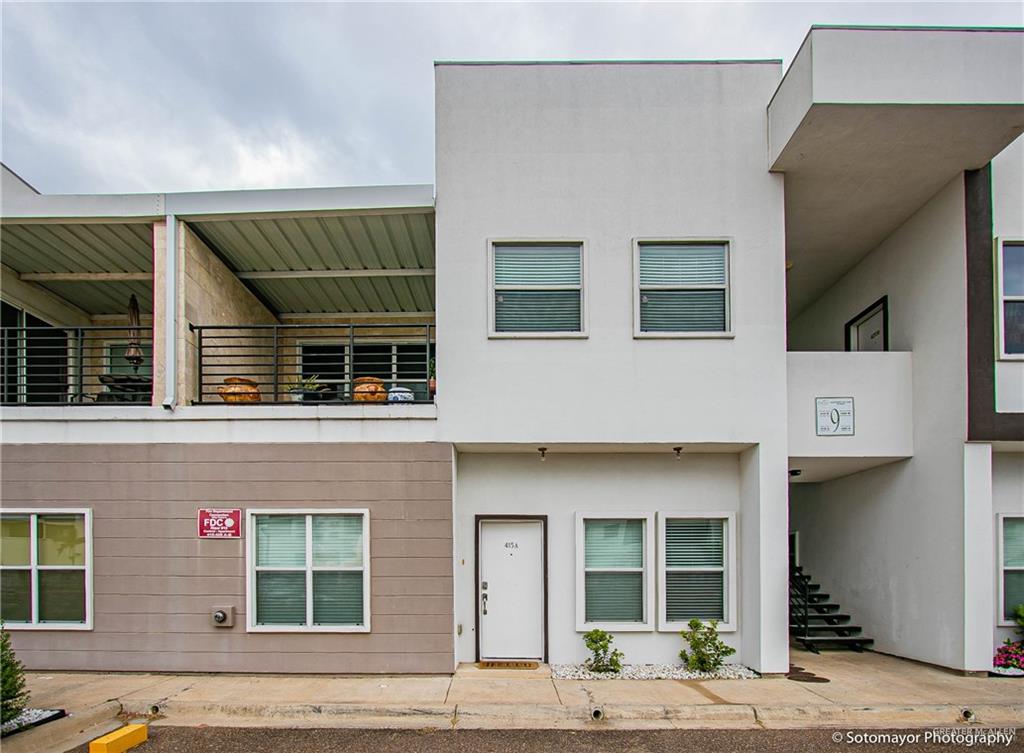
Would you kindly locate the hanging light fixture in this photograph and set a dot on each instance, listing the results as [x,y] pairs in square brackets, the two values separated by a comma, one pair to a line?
[543,453]
[679,452]
[133,353]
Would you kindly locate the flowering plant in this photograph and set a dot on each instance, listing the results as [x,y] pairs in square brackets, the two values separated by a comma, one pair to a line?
[1010,655]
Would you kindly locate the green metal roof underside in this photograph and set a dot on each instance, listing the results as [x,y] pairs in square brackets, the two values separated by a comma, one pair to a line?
[400,240]
[75,247]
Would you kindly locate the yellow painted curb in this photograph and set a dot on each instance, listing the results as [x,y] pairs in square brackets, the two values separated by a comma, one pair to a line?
[120,740]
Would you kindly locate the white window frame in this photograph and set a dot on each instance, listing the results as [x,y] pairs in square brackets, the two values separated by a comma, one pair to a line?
[250,571]
[1001,354]
[34,513]
[492,289]
[729,244]
[649,584]
[1001,568]
[728,625]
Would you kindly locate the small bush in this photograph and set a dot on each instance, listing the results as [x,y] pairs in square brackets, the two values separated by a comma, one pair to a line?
[706,649]
[13,695]
[605,658]
[1018,617]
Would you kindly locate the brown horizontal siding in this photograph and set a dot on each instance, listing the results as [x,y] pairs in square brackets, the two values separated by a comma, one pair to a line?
[155,582]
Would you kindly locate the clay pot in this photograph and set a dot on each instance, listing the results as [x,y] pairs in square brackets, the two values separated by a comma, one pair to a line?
[370,389]
[239,390]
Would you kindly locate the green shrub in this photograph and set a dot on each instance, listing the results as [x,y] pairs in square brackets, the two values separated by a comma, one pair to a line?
[1018,617]
[605,658]
[13,695]
[706,649]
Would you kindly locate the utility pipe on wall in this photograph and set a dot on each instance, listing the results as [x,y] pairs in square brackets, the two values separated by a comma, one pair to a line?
[171,315]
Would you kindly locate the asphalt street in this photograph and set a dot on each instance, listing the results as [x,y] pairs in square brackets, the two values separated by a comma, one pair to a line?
[246,740]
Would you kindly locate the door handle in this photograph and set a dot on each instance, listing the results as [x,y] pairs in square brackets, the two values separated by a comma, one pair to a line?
[483,603]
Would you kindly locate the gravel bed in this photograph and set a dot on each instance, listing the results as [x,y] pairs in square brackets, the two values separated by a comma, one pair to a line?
[29,718]
[652,672]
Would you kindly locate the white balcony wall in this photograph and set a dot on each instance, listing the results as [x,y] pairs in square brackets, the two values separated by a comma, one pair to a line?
[881,385]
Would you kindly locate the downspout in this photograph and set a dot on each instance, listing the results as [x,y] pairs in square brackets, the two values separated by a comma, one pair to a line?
[171,315]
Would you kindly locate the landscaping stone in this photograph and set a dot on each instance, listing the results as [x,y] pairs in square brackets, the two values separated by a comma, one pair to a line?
[652,672]
[30,718]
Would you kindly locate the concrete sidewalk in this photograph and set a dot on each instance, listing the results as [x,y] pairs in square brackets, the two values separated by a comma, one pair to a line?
[863,690]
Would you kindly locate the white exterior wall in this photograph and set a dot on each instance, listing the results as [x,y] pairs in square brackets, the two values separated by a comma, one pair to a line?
[1007,498]
[1008,224]
[889,542]
[606,154]
[502,484]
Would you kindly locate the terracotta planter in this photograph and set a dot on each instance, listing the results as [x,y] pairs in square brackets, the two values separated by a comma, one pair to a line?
[239,390]
[370,389]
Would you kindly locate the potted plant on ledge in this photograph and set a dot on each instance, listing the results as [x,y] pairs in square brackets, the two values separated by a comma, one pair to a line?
[307,390]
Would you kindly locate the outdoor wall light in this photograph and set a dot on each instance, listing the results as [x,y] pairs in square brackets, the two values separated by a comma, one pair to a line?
[679,452]
[794,472]
[543,453]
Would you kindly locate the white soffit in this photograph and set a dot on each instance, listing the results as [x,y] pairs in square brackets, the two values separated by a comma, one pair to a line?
[868,124]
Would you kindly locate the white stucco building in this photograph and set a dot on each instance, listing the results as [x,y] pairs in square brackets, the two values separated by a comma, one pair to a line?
[703,332]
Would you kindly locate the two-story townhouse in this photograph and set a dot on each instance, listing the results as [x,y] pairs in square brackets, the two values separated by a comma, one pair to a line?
[700,330]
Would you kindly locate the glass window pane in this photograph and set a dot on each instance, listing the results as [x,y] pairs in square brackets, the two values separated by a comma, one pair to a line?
[15,595]
[373,360]
[116,363]
[281,598]
[338,598]
[537,265]
[537,311]
[14,540]
[694,542]
[61,539]
[682,310]
[682,265]
[280,540]
[1013,326]
[689,595]
[1013,542]
[1013,269]
[337,540]
[614,543]
[614,597]
[323,360]
[1013,591]
[62,596]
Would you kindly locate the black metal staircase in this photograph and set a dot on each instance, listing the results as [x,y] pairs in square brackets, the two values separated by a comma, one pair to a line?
[815,620]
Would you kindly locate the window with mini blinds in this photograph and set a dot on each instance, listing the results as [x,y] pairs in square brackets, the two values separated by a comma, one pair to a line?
[309,570]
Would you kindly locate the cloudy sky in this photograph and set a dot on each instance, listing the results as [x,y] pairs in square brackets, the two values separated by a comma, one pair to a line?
[182,96]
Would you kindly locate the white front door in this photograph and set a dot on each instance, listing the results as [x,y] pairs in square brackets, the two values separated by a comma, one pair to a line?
[511,588]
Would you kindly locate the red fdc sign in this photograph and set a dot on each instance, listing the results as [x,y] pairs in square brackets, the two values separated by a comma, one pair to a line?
[219,524]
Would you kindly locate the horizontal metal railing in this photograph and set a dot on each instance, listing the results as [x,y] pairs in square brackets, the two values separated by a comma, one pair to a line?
[313,363]
[76,365]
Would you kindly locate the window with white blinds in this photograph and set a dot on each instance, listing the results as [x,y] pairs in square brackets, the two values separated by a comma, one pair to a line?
[1011,295]
[309,570]
[613,589]
[696,565]
[683,288]
[538,288]
[1012,565]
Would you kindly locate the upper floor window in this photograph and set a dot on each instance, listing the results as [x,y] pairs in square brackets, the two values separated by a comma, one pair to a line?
[682,289]
[538,289]
[1011,299]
